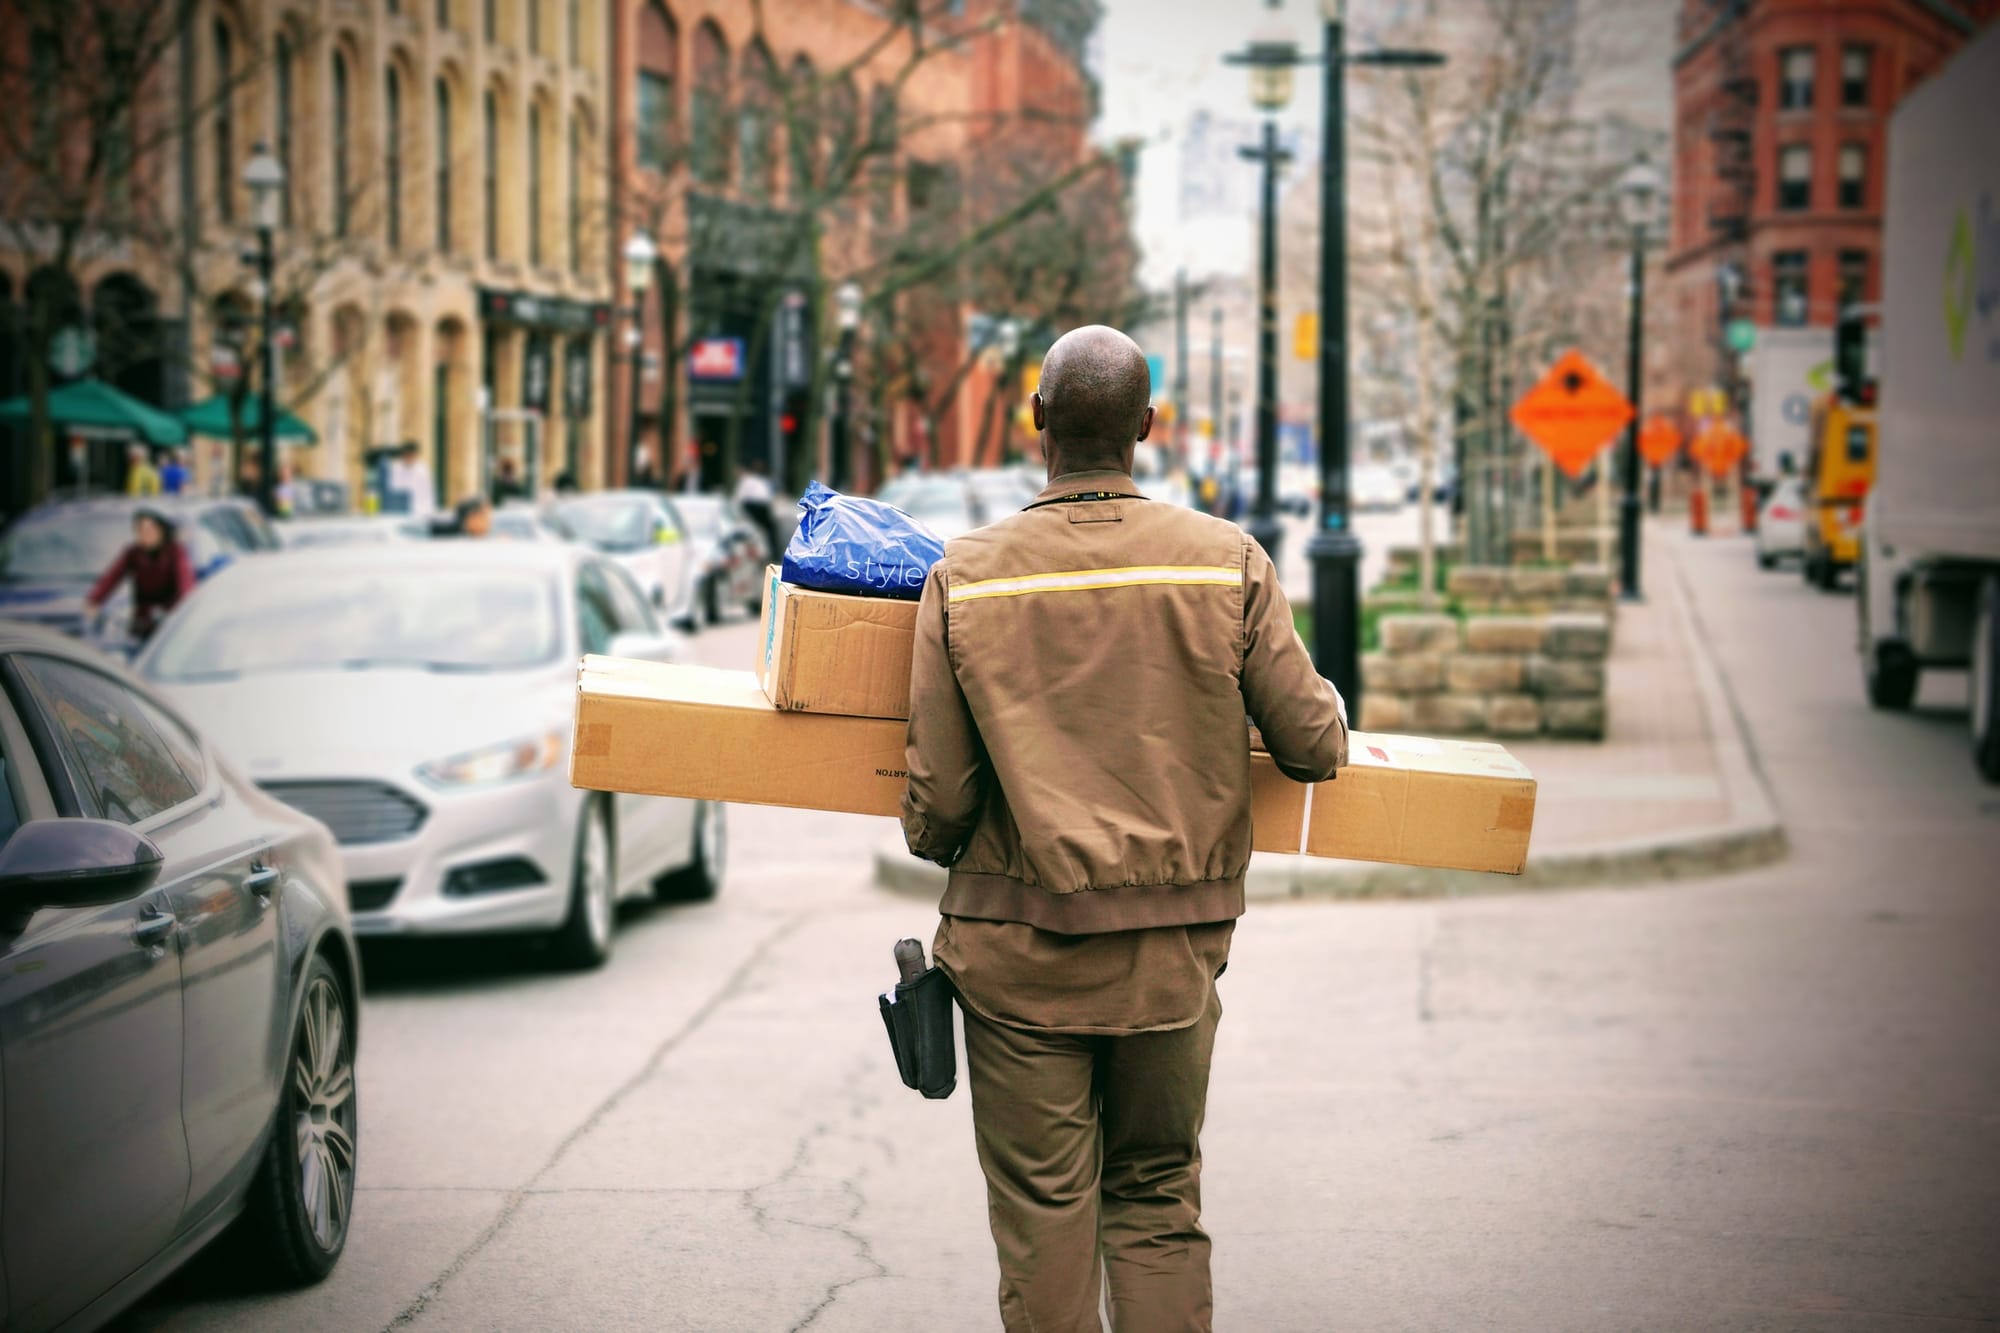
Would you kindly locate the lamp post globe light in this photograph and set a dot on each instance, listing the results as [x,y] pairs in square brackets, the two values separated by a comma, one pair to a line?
[264,178]
[847,315]
[1335,552]
[1638,203]
[640,255]
[1270,58]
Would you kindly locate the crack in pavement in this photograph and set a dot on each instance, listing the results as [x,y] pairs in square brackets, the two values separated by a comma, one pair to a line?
[511,1206]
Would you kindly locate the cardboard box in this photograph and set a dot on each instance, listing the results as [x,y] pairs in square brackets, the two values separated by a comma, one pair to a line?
[826,652]
[1462,805]
[696,731]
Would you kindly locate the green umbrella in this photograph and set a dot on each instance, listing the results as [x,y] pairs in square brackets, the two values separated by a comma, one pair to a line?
[94,408]
[210,416]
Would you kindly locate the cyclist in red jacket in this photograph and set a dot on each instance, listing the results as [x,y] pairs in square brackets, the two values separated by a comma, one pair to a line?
[158,566]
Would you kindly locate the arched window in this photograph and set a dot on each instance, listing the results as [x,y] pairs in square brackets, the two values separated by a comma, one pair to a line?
[882,145]
[535,29]
[534,183]
[843,129]
[442,156]
[710,112]
[225,122]
[492,182]
[573,17]
[755,121]
[659,57]
[802,128]
[281,61]
[392,158]
[575,226]
[342,109]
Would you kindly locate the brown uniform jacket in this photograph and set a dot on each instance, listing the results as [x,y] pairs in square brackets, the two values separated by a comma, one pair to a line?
[1082,671]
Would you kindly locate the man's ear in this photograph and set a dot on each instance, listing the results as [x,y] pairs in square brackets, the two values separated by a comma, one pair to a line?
[1146,422]
[1041,413]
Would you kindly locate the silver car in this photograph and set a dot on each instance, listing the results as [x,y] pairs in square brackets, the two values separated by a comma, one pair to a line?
[418,700]
[643,532]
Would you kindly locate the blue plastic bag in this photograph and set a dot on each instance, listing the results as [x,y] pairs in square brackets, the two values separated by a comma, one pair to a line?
[847,543]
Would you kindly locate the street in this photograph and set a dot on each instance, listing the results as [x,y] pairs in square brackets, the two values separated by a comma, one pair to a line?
[1763,1101]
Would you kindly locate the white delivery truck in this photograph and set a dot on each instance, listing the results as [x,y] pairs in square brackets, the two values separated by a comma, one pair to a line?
[1930,578]
[1790,371]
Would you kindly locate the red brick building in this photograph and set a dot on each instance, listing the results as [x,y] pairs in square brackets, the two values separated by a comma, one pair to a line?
[1780,124]
[728,131]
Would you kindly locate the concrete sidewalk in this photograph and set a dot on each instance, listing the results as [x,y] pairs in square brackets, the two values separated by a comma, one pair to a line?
[1671,791]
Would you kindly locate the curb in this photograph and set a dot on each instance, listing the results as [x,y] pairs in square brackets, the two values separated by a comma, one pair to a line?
[1752,836]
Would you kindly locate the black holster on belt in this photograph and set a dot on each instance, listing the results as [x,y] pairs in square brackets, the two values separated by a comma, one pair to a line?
[918,1016]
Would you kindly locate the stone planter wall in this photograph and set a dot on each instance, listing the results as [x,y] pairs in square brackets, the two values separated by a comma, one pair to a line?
[1504,675]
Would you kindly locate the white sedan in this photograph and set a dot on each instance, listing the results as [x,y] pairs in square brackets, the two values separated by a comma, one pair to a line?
[642,531]
[1781,523]
[1374,486]
[418,701]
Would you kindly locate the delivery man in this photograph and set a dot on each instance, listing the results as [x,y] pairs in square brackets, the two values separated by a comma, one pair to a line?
[1078,758]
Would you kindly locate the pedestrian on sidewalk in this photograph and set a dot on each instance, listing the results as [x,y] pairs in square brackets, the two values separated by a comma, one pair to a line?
[754,497]
[1078,758]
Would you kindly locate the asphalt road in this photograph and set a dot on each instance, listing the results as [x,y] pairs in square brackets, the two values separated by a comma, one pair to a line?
[1766,1101]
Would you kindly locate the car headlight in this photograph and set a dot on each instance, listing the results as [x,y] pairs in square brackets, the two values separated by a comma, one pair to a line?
[496,763]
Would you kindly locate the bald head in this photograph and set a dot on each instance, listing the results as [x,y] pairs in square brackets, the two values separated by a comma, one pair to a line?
[1093,401]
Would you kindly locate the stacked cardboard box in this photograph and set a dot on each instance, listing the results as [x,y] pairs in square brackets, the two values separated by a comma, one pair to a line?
[821,724]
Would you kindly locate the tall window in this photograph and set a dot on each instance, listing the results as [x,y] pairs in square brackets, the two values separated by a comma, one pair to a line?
[489,23]
[1853,175]
[843,128]
[710,112]
[442,209]
[882,141]
[1788,287]
[575,227]
[754,122]
[534,183]
[342,109]
[1795,176]
[535,26]
[573,14]
[225,123]
[802,134]
[1854,68]
[1795,78]
[657,59]
[1853,277]
[492,182]
[44,62]
[392,158]
[282,63]
[443,14]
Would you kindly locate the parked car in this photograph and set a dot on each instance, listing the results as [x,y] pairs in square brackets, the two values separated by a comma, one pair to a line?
[1781,523]
[1375,486]
[348,529]
[51,555]
[942,502]
[418,700]
[729,555]
[998,492]
[521,521]
[1298,488]
[643,532]
[178,1000]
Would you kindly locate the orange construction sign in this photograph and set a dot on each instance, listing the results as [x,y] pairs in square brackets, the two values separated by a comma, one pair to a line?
[1659,441]
[1572,413]
[1719,448]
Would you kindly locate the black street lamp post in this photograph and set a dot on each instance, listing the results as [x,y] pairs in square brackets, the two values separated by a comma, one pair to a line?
[847,303]
[264,177]
[640,254]
[1639,193]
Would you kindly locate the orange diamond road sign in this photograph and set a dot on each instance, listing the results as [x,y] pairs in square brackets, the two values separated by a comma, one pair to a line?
[1659,441]
[1719,448]
[1572,413]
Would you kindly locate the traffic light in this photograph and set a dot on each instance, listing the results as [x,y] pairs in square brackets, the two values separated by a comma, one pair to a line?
[791,424]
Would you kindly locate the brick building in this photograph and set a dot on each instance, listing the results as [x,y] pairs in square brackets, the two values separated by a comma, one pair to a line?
[770,163]
[1780,124]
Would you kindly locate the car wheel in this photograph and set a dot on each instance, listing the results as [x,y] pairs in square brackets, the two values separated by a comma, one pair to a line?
[698,880]
[1986,681]
[1765,560]
[303,1195]
[1891,672]
[584,939]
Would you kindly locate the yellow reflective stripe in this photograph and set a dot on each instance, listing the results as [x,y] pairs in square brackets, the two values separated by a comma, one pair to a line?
[1085,580]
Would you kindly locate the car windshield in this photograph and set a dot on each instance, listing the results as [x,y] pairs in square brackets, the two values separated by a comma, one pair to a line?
[64,547]
[609,525]
[932,499]
[701,513]
[334,532]
[323,619]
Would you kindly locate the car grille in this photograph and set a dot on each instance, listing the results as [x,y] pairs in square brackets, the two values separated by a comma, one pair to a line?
[371,895]
[357,812]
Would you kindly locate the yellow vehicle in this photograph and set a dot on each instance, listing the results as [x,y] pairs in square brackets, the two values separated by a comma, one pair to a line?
[1839,473]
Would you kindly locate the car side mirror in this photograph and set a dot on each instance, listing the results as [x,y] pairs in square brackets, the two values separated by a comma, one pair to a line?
[646,647]
[75,863]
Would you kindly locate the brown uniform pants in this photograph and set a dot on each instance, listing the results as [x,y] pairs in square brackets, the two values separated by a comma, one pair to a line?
[1091,1146]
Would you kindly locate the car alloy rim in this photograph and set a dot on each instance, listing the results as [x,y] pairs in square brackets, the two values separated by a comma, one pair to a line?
[323,1091]
[713,847]
[597,879]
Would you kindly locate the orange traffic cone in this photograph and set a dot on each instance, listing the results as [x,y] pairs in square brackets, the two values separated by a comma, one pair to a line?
[1698,508]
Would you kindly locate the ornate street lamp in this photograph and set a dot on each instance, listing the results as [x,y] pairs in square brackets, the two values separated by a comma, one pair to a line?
[1639,203]
[640,255]
[264,177]
[847,314]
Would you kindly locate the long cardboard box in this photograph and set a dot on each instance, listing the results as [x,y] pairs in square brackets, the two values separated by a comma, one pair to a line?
[698,732]
[825,652]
